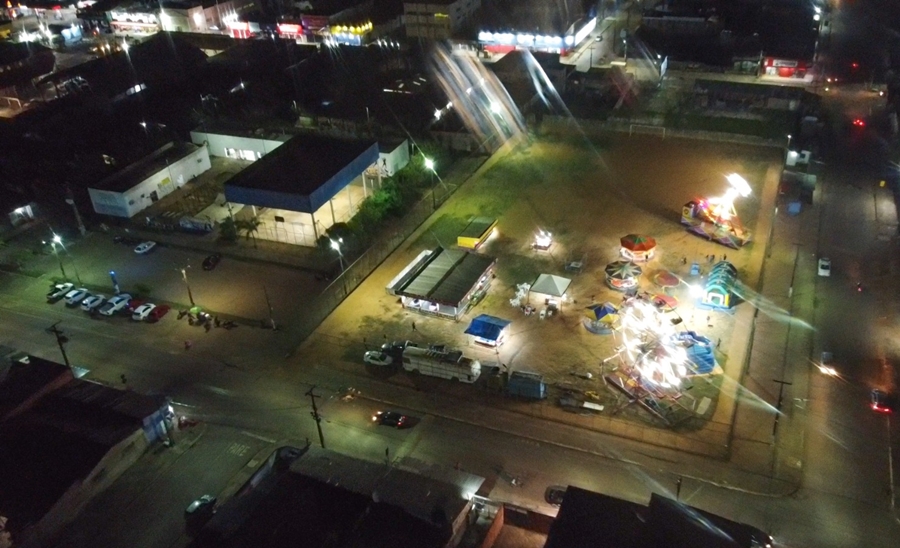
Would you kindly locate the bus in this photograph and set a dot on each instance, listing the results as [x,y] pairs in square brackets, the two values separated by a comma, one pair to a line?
[450,364]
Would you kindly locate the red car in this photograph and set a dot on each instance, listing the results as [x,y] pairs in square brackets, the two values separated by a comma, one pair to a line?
[132,305]
[157,313]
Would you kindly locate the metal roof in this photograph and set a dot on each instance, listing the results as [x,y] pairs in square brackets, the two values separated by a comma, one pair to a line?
[447,276]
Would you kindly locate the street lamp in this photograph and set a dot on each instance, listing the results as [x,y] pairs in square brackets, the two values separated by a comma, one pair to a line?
[57,240]
[184,277]
[336,245]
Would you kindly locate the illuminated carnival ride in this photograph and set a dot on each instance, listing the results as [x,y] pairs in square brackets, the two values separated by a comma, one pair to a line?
[655,357]
[715,218]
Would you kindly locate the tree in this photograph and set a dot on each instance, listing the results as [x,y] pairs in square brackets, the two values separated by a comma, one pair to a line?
[250,227]
[228,230]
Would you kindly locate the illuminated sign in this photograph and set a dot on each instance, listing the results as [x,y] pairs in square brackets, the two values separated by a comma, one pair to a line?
[289,28]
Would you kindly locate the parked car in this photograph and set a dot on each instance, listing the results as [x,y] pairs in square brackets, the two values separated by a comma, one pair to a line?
[390,418]
[93,302]
[395,349]
[374,357]
[554,495]
[80,294]
[127,240]
[199,512]
[144,247]
[132,305]
[115,304]
[210,262]
[825,267]
[157,313]
[142,312]
[59,291]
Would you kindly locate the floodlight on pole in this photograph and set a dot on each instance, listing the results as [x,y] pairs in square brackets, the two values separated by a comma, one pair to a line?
[336,245]
[429,164]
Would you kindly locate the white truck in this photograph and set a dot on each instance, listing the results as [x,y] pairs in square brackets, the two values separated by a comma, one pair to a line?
[449,364]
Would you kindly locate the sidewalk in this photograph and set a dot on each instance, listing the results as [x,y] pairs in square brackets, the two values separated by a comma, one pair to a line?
[781,348]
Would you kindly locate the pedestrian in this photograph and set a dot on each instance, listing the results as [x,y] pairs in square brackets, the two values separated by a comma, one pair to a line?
[217,322]
[207,327]
[592,298]
[124,379]
[718,343]
[365,344]
[188,345]
[684,260]
[724,256]
[414,326]
[385,337]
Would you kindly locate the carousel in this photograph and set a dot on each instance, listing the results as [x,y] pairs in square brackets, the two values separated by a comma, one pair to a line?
[622,275]
[637,248]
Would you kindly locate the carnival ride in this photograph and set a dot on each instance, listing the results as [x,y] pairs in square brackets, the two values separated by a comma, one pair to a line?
[655,356]
[716,218]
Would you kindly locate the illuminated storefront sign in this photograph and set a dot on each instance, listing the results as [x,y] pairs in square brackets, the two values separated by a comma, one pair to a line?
[784,68]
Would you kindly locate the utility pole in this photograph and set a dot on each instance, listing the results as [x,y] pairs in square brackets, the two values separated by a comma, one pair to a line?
[271,317]
[315,414]
[778,405]
[61,340]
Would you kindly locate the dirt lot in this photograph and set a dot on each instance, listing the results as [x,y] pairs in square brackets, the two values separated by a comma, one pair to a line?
[588,194]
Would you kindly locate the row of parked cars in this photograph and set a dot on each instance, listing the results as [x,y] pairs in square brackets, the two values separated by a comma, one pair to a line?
[100,304]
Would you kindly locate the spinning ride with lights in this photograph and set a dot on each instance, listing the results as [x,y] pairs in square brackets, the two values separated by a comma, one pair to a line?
[716,218]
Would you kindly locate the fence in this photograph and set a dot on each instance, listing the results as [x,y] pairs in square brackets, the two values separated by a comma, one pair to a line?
[359,270]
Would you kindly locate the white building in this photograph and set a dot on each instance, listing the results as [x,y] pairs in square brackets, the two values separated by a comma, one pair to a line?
[437,19]
[127,192]
[188,16]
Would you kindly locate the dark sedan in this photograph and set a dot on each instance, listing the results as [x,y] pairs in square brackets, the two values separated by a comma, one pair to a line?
[210,262]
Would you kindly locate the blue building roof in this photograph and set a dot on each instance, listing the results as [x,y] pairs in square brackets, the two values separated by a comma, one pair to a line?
[302,174]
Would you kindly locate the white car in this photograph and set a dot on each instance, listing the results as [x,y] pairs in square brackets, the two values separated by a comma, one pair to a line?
[140,313]
[59,291]
[115,304]
[825,267]
[144,247]
[80,294]
[375,357]
[92,302]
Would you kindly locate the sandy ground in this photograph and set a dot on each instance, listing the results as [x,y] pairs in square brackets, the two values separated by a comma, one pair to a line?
[588,194]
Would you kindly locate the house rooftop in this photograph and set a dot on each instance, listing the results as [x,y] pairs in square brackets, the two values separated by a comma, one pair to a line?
[131,175]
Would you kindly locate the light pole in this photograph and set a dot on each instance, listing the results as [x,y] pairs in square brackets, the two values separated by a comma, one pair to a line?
[57,240]
[184,277]
[61,340]
[429,165]
[336,245]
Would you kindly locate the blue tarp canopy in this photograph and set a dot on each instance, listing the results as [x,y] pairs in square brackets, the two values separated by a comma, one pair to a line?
[487,327]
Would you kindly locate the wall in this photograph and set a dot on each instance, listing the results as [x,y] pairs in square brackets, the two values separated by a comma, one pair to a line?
[165,181]
[392,161]
[218,143]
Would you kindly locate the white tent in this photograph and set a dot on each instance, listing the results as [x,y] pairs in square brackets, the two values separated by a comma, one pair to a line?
[548,284]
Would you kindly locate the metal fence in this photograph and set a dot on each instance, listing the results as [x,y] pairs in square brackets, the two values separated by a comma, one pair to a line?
[359,270]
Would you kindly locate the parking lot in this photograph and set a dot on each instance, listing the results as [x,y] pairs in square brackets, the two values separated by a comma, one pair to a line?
[233,289]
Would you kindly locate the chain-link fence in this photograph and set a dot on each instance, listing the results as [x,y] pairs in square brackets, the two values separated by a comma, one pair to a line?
[358,270]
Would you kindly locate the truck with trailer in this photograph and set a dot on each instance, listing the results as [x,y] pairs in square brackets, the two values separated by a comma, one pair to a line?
[445,364]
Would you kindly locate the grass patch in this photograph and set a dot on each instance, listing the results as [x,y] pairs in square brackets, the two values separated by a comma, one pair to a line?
[775,126]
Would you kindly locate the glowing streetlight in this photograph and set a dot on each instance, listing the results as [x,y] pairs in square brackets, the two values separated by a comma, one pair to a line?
[336,245]
[57,240]
[184,277]
[429,164]
[495,107]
